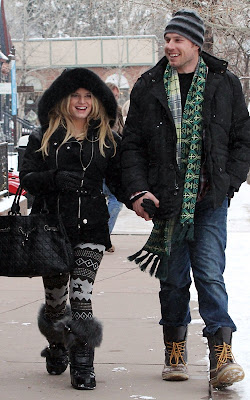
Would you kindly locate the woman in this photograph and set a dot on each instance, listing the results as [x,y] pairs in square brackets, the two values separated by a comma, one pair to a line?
[64,166]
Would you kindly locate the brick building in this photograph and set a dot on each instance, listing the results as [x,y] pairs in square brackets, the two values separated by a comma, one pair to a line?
[117,59]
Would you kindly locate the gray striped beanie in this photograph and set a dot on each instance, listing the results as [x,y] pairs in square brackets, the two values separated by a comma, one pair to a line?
[189,24]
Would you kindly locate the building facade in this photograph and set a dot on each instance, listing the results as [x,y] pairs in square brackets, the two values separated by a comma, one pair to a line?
[120,60]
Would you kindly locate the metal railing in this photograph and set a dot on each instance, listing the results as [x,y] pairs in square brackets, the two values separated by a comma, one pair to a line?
[23,127]
[3,169]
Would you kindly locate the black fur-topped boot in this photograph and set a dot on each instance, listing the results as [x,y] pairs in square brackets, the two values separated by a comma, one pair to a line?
[81,338]
[57,358]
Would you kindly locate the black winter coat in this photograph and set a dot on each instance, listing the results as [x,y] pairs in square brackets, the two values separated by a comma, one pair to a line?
[84,212]
[149,138]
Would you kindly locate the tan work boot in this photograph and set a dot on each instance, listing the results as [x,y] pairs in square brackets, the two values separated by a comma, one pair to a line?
[175,367]
[224,371]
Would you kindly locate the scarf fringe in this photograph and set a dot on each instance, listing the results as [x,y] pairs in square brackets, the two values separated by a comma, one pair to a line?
[149,257]
[134,256]
[143,266]
[138,260]
[160,271]
[155,266]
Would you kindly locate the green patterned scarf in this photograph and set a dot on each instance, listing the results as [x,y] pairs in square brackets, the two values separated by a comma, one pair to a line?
[188,155]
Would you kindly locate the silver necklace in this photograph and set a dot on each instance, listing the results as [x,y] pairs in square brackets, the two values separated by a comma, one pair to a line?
[91,158]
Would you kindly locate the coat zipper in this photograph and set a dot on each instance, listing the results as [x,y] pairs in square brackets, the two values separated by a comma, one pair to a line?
[83,170]
[79,198]
[81,185]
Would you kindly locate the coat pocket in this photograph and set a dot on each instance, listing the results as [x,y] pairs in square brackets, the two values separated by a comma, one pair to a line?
[94,210]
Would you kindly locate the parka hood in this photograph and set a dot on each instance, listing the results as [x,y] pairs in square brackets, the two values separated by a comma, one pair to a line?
[68,82]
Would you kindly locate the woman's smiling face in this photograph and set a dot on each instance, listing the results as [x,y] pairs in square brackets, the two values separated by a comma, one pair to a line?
[80,105]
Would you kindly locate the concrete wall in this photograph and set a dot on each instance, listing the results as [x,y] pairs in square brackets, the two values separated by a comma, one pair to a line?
[107,51]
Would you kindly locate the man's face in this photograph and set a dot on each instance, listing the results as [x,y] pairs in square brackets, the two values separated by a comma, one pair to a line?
[181,53]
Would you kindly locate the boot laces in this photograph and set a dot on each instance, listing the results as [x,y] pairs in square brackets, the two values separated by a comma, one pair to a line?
[176,351]
[223,353]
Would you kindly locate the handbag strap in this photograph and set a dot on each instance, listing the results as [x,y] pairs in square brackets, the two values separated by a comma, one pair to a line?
[15,208]
[44,208]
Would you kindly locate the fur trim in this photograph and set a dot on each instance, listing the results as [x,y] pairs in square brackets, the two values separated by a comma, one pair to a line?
[45,352]
[53,331]
[68,82]
[88,331]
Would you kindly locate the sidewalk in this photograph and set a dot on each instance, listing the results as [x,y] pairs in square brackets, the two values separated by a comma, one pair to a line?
[128,365]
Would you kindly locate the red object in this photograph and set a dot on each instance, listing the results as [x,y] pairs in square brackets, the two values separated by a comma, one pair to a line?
[13,181]
[5,39]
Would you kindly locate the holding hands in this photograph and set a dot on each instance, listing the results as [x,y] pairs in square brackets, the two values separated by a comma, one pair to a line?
[146,206]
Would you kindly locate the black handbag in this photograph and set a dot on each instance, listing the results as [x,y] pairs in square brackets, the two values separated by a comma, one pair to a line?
[33,245]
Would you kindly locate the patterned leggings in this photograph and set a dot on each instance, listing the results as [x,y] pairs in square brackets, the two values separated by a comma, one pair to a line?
[88,257]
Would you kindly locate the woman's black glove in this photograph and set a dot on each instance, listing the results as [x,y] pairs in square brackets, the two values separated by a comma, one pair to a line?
[149,206]
[39,183]
[69,181]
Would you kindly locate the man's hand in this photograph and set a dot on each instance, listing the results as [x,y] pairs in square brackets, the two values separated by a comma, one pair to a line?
[137,205]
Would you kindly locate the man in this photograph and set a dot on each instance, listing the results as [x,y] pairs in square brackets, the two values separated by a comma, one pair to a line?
[185,151]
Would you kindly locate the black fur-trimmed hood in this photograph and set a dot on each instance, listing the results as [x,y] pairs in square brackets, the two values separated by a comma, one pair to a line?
[68,82]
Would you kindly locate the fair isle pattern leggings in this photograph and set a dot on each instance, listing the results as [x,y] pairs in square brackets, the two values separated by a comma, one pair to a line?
[79,284]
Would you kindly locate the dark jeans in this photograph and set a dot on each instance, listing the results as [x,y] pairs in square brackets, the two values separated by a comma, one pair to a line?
[206,256]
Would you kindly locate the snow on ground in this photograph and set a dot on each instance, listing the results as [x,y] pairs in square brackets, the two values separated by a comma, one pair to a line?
[237,279]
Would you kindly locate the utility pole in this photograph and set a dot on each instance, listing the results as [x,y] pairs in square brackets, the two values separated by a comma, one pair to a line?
[11,57]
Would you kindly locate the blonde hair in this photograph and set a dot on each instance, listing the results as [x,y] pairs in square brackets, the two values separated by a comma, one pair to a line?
[60,116]
[112,86]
